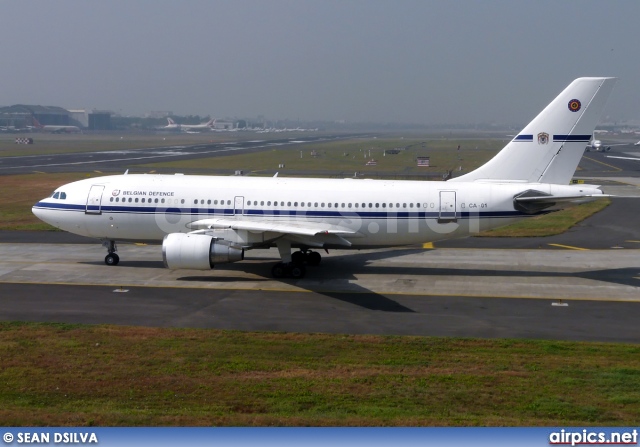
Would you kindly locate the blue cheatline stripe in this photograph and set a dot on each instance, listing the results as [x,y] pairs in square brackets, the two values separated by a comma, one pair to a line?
[520,138]
[204,213]
[572,138]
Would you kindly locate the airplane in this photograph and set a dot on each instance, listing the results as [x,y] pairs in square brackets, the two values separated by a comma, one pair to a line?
[172,125]
[202,221]
[598,146]
[54,128]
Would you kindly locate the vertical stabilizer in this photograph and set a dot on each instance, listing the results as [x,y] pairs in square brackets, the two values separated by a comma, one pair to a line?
[549,148]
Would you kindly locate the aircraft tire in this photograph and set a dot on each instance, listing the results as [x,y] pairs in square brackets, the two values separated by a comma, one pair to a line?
[112,259]
[279,270]
[297,271]
[314,258]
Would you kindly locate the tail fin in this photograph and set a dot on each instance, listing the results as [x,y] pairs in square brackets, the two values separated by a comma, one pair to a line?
[170,120]
[36,123]
[549,148]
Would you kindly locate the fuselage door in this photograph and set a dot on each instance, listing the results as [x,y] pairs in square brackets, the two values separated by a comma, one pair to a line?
[94,200]
[238,205]
[447,207]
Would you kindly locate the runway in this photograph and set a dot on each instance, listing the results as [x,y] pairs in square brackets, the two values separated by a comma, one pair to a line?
[572,295]
[119,160]
[582,285]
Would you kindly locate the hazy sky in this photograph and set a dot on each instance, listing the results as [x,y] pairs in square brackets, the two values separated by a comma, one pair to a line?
[413,61]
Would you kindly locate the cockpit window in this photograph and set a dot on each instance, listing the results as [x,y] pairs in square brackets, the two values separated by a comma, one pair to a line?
[56,195]
[63,195]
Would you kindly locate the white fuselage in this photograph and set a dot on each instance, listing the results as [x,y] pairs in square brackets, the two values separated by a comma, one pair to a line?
[378,212]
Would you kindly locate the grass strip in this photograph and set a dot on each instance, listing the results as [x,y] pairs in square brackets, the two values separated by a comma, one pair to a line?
[76,375]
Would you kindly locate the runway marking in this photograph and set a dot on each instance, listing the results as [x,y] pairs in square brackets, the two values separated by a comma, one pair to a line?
[636,242]
[568,247]
[342,292]
[427,245]
[610,166]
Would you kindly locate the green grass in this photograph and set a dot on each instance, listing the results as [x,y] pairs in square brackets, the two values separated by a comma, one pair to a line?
[21,192]
[344,157]
[103,375]
[551,224]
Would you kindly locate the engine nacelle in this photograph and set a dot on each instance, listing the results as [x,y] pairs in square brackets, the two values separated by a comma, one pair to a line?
[197,251]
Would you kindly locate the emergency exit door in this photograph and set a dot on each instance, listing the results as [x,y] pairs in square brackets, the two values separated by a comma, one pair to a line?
[94,200]
[447,207]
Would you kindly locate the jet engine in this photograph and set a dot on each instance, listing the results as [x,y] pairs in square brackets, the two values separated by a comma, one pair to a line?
[197,251]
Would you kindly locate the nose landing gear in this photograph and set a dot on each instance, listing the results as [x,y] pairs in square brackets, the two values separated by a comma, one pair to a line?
[112,258]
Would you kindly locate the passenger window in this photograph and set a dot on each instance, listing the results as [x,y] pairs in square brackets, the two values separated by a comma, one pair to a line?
[329,205]
[156,201]
[182,201]
[228,202]
[377,205]
[111,199]
[162,200]
[262,203]
[397,205]
[269,203]
[117,199]
[411,205]
[391,205]
[322,205]
[356,205]
[136,200]
[142,200]
[208,202]
[316,204]
[404,205]
[384,205]
[288,203]
[371,205]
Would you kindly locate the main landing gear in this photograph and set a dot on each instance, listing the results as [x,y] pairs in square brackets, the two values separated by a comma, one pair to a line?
[112,258]
[293,264]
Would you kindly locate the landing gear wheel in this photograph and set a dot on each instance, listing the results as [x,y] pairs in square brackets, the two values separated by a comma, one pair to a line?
[298,257]
[297,271]
[112,259]
[313,258]
[279,270]
[292,270]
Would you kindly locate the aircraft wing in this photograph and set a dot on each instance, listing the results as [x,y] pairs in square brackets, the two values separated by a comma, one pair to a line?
[314,234]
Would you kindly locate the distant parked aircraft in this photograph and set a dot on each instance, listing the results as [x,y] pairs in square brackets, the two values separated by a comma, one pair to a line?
[54,128]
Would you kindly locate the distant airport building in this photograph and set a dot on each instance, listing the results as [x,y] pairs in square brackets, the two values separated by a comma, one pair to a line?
[80,116]
[100,120]
[21,115]
[223,125]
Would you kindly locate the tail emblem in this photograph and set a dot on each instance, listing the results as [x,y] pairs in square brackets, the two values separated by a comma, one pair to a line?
[574,105]
[543,138]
